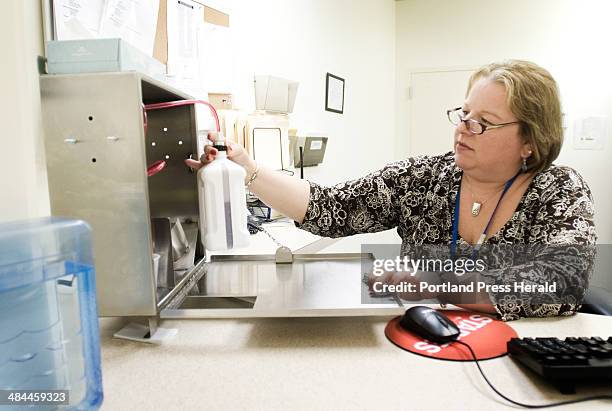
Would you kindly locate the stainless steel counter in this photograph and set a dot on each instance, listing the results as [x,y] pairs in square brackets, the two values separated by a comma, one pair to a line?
[314,285]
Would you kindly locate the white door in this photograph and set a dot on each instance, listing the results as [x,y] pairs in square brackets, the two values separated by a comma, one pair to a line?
[431,94]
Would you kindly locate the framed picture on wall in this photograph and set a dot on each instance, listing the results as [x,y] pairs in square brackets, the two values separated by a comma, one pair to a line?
[334,94]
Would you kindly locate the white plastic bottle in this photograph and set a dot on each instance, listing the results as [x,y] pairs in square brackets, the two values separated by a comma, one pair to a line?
[223,212]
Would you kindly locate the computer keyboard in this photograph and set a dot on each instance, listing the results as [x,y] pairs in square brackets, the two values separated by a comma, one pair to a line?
[565,361]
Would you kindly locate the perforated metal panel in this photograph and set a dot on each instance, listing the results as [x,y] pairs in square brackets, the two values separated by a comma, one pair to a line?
[97,158]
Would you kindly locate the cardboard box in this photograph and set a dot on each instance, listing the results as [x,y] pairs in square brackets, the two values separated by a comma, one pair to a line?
[221,101]
[160,48]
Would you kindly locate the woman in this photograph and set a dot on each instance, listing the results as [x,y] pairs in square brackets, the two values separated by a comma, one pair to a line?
[507,134]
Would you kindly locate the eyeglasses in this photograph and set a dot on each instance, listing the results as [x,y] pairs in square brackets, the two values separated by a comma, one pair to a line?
[456,116]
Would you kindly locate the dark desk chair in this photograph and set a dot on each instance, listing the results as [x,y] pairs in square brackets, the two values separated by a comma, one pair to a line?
[598,300]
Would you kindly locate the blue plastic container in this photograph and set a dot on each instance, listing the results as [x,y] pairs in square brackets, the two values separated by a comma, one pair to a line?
[49,337]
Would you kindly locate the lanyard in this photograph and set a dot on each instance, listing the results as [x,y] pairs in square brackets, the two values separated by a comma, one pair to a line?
[482,237]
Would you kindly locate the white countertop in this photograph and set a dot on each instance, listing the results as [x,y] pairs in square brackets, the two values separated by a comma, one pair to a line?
[315,363]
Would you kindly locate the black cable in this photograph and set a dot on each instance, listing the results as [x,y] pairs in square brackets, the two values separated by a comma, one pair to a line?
[554,404]
[301,162]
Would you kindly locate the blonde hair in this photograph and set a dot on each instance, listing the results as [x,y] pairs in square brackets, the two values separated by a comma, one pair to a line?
[533,97]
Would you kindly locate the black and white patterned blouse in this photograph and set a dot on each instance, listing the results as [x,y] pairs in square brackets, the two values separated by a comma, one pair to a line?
[417,196]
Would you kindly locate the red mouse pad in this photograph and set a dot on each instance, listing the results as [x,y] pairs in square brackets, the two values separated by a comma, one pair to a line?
[486,336]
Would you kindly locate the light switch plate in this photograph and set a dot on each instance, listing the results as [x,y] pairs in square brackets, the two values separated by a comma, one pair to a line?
[590,133]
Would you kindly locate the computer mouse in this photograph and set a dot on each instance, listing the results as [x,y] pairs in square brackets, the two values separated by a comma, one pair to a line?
[429,324]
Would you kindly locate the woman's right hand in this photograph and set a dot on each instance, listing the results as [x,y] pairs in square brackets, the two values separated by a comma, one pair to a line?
[235,152]
[286,194]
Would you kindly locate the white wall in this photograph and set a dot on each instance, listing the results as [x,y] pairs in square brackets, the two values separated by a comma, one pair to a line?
[23,181]
[303,40]
[569,38]
[297,39]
